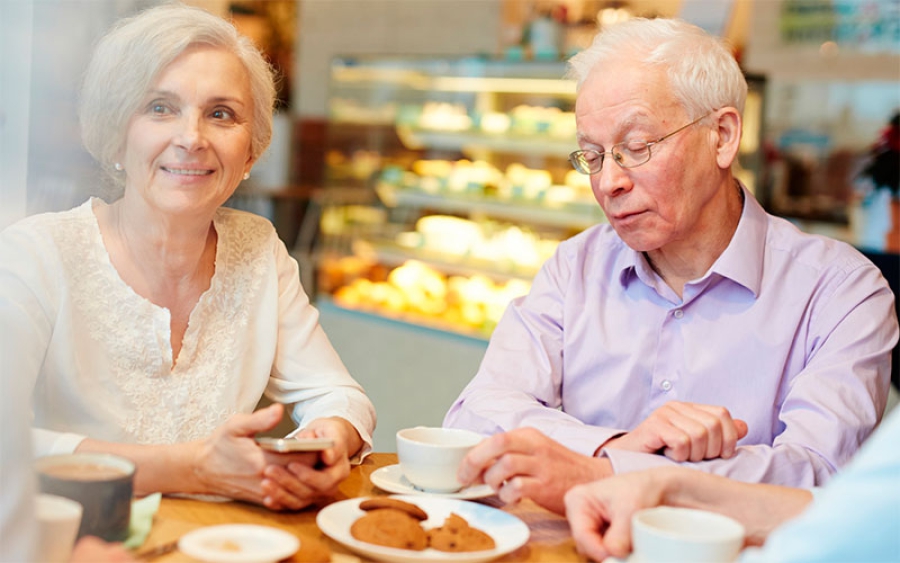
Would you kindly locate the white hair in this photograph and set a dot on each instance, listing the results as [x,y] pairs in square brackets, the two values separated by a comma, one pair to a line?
[128,58]
[703,74]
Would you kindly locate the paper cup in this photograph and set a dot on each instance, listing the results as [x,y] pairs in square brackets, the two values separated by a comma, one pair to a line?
[58,521]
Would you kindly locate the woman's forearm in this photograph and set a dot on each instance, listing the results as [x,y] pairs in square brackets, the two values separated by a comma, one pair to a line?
[159,468]
[759,507]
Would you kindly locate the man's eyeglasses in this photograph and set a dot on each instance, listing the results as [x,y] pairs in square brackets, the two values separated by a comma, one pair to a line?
[627,154]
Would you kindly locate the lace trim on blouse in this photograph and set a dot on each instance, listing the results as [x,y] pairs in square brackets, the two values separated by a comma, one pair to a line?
[166,405]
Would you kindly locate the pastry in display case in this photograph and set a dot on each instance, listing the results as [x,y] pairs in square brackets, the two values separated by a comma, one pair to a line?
[447,185]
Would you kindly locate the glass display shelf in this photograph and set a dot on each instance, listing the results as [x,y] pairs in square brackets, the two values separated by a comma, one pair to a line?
[464,164]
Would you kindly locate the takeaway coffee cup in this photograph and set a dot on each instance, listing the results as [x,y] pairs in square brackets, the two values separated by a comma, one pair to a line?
[668,534]
[58,520]
[103,484]
[430,457]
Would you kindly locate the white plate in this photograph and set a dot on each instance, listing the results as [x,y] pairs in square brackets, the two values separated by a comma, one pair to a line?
[392,480]
[239,543]
[509,532]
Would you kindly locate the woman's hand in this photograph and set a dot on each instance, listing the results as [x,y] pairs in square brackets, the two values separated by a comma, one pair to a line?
[295,485]
[599,513]
[231,463]
[90,549]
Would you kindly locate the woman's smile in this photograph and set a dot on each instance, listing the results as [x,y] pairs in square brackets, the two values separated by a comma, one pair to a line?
[187,171]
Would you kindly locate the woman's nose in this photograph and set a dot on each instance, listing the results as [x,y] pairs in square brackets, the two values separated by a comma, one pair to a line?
[191,135]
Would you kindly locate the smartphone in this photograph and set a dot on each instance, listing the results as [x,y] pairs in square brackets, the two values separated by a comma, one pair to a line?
[285,445]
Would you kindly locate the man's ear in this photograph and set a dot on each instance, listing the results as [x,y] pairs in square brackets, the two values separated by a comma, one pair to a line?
[728,136]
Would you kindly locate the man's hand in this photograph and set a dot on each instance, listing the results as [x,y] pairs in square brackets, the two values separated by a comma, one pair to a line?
[685,432]
[524,463]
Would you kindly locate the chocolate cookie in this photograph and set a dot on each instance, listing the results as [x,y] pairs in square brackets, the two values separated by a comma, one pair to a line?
[397,504]
[457,536]
[391,528]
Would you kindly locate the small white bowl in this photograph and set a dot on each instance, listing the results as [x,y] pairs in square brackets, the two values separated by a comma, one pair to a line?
[239,543]
[676,535]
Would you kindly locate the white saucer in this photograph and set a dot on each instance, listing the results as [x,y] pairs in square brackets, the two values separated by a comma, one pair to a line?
[392,480]
[238,543]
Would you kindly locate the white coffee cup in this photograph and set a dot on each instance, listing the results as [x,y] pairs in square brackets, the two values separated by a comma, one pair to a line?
[430,457]
[58,520]
[684,535]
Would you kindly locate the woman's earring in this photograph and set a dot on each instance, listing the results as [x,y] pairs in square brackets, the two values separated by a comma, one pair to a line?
[118,166]
[246,176]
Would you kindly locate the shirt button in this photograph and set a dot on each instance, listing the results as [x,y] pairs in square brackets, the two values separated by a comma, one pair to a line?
[678,313]
[666,385]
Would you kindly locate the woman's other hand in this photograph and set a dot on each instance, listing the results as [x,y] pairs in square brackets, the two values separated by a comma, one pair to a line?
[296,484]
[94,550]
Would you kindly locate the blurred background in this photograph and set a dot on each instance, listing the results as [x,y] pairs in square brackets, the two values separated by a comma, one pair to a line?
[418,169]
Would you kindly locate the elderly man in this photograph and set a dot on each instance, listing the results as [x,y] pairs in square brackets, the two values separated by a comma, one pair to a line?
[694,328]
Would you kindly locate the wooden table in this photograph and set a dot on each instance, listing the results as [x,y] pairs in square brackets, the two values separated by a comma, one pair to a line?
[550,538]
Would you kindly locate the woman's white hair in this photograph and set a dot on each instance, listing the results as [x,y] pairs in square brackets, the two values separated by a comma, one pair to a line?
[128,58]
[702,72]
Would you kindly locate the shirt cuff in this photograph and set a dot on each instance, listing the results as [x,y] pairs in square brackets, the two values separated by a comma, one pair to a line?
[47,442]
[583,439]
[363,452]
[625,461]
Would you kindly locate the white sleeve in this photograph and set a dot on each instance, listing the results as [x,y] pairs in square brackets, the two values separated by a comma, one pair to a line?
[307,369]
[18,370]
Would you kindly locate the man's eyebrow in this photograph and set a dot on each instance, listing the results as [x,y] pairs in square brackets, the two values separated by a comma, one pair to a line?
[633,119]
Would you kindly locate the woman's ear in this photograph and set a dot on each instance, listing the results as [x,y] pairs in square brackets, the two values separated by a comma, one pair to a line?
[249,164]
[728,136]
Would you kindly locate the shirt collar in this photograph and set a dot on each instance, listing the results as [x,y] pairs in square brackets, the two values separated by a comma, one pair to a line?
[741,261]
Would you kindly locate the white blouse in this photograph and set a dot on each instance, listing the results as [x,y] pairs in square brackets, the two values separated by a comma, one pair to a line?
[100,355]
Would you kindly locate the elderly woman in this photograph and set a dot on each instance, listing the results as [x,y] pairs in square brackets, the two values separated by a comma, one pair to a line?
[150,327]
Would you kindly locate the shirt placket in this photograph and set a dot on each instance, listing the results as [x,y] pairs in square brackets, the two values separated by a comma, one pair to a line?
[670,361]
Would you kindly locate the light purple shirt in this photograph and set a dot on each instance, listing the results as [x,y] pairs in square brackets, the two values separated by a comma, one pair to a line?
[790,332]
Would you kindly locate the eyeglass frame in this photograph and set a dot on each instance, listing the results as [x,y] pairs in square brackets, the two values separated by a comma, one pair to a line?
[573,156]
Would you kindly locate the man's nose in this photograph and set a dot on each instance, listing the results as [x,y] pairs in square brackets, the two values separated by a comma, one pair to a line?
[612,180]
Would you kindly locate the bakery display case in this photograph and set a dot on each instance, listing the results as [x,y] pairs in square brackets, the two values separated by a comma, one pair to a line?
[447,185]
